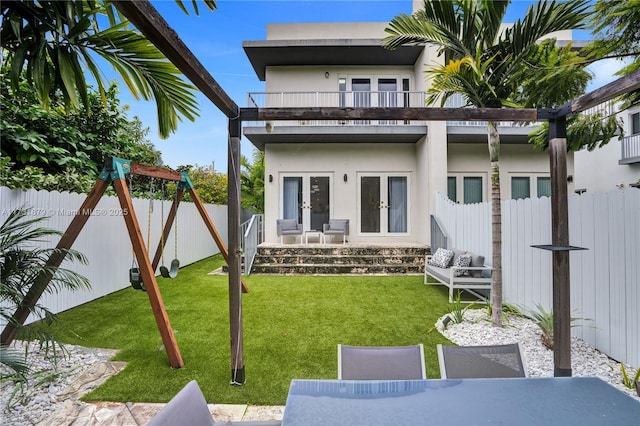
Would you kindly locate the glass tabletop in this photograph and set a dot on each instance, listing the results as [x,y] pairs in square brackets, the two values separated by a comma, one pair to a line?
[514,401]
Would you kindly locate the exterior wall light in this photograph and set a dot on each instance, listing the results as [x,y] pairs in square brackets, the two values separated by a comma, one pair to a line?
[326,74]
[344,177]
[270,178]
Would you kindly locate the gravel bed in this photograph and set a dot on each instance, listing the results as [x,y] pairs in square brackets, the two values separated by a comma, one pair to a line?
[42,396]
[476,329]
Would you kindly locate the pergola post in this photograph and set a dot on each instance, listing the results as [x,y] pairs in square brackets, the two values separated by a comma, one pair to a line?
[560,240]
[235,272]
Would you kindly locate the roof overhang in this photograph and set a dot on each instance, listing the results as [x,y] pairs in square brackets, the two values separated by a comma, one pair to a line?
[478,134]
[264,53]
[260,136]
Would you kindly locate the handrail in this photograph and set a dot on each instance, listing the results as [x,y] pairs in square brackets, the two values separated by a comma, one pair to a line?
[439,236]
[253,235]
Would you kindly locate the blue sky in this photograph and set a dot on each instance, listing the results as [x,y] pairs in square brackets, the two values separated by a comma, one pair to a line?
[216,40]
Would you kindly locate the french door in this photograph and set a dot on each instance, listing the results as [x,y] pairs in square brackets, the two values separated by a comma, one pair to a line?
[307,198]
[383,203]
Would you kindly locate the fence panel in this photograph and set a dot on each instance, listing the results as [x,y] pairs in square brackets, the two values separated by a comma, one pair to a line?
[605,279]
[105,241]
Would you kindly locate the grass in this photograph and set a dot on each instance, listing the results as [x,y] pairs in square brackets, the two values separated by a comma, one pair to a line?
[292,326]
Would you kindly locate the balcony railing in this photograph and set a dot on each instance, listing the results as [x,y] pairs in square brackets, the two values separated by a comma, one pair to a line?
[630,149]
[362,99]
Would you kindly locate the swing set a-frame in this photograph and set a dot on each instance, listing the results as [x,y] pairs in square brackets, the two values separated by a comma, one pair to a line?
[115,172]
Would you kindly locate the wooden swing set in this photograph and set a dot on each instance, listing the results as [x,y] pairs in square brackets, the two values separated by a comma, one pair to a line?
[116,171]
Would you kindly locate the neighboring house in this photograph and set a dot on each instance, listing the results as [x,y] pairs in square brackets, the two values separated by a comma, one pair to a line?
[381,175]
[617,164]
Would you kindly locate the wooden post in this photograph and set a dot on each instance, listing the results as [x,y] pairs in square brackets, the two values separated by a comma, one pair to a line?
[235,273]
[148,275]
[66,241]
[560,238]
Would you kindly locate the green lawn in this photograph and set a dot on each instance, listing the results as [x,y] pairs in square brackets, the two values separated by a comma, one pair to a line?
[292,326]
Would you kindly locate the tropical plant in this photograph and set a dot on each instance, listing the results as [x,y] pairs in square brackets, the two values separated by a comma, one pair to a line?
[23,264]
[55,44]
[210,185]
[489,65]
[627,381]
[544,320]
[252,183]
[57,144]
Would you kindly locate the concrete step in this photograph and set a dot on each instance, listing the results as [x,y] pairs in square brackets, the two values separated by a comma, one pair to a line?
[339,259]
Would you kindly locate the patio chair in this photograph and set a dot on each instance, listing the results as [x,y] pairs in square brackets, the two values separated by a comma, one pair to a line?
[286,227]
[381,362]
[470,362]
[189,408]
[336,227]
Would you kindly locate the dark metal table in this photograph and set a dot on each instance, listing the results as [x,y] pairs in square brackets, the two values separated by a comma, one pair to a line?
[515,401]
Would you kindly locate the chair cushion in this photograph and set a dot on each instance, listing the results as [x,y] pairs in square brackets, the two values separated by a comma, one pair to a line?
[441,258]
[462,261]
[477,261]
[289,224]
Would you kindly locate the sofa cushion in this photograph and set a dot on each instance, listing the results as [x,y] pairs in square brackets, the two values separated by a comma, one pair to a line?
[463,261]
[456,254]
[288,224]
[476,261]
[441,258]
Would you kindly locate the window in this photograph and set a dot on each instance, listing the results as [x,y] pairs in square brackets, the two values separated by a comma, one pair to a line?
[530,187]
[543,186]
[472,187]
[635,123]
[465,189]
[451,188]
[520,187]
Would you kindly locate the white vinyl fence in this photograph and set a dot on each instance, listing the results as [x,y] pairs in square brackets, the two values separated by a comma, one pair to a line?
[605,278]
[104,239]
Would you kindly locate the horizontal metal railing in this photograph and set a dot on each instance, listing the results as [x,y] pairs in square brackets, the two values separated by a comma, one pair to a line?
[385,99]
[630,148]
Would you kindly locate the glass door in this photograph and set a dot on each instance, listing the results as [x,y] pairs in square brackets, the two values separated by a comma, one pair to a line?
[383,203]
[307,198]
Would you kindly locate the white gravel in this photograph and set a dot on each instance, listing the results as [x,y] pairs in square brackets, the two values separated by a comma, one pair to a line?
[32,405]
[476,329]
[42,396]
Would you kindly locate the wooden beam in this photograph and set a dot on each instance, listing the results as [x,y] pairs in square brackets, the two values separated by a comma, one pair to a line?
[155,172]
[148,275]
[437,114]
[147,19]
[605,93]
[42,280]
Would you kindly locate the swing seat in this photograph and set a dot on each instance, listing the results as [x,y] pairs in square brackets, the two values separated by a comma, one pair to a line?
[135,278]
[172,272]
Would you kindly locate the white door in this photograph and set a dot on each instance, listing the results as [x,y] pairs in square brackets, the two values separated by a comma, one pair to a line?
[383,203]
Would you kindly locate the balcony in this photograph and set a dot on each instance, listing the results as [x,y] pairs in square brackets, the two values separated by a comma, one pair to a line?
[374,131]
[630,150]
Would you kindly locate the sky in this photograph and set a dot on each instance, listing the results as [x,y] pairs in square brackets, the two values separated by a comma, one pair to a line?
[216,40]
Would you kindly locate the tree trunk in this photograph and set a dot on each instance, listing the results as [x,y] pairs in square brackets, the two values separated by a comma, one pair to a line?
[496,224]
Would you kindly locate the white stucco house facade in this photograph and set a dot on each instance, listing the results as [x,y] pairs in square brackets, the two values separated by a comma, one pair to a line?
[615,165]
[381,175]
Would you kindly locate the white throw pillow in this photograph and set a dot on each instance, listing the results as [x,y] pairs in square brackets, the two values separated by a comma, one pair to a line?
[441,258]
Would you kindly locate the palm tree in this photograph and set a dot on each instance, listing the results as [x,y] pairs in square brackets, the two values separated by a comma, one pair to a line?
[487,64]
[55,42]
[252,182]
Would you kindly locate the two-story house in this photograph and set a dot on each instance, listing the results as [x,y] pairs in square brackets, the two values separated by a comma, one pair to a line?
[381,175]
